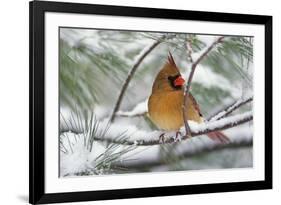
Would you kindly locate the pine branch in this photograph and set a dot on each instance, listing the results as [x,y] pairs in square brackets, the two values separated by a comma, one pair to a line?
[152,138]
[139,60]
[187,88]
[229,109]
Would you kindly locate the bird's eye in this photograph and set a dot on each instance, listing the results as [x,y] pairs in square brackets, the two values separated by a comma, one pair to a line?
[172,78]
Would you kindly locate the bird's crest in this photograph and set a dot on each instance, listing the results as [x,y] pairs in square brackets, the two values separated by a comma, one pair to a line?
[171,60]
[168,71]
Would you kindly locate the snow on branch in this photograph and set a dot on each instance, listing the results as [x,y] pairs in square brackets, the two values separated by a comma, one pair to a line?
[229,109]
[138,111]
[143,138]
[188,85]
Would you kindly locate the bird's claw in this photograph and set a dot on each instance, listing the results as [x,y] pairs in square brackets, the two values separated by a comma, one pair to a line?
[162,138]
[178,136]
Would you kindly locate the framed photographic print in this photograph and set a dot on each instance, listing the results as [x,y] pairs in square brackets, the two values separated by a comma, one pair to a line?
[140,102]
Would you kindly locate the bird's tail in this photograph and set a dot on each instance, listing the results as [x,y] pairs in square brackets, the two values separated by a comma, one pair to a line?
[219,137]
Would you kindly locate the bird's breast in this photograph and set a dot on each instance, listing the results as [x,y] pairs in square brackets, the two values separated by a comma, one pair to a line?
[165,110]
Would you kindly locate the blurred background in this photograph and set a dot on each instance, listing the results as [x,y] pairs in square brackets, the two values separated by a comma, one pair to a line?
[94,65]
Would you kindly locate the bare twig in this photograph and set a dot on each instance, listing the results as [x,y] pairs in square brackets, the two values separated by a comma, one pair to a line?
[130,75]
[229,109]
[187,88]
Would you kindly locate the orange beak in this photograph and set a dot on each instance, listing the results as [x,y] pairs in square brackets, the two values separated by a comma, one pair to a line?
[179,81]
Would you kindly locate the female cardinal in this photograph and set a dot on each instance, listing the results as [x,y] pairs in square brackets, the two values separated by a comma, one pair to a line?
[166,100]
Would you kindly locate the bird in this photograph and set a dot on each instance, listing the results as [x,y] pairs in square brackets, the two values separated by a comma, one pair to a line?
[166,101]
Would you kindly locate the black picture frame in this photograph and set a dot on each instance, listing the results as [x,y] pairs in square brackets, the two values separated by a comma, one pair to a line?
[37,9]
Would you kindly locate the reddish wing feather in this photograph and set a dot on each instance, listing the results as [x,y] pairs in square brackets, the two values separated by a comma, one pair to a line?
[219,137]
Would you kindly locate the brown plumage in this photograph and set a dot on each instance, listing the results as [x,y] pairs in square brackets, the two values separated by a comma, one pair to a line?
[166,99]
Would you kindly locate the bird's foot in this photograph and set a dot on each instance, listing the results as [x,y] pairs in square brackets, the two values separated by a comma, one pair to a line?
[178,136]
